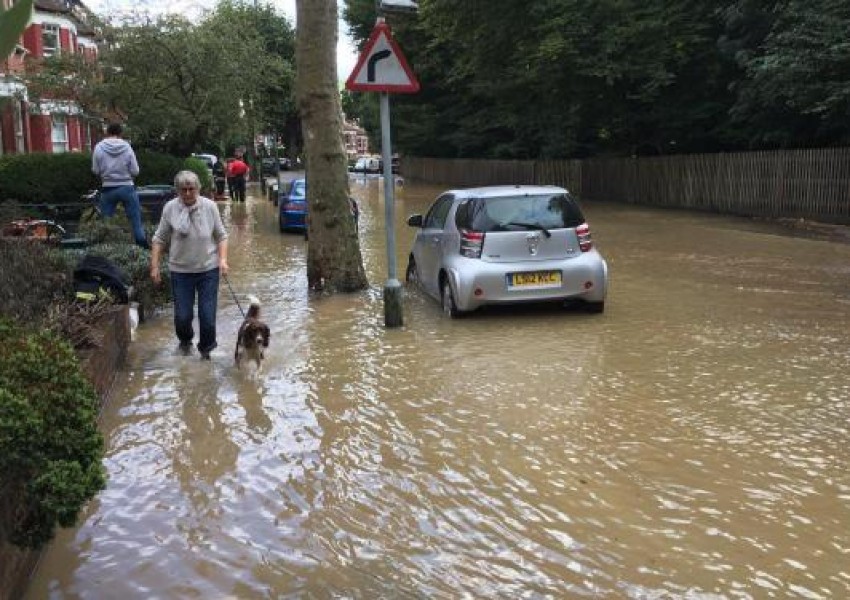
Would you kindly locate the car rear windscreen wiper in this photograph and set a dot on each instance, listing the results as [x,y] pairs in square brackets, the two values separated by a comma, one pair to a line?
[529,226]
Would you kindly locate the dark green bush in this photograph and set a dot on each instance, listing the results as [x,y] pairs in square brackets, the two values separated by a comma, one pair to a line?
[42,178]
[156,168]
[51,451]
[199,167]
[32,277]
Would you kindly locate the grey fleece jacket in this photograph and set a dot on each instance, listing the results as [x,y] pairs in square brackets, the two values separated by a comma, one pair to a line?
[114,161]
[194,250]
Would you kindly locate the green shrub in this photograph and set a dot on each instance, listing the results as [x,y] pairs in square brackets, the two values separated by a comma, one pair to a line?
[51,451]
[42,178]
[156,168]
[135,262]
[32,276]
[199,167]
[115,229]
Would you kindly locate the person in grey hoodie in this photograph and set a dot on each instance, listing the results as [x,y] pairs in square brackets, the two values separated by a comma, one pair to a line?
[114,161]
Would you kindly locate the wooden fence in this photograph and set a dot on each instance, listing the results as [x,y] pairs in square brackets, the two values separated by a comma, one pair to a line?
[811,184]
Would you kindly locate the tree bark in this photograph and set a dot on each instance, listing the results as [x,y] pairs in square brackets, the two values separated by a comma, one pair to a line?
[334,262]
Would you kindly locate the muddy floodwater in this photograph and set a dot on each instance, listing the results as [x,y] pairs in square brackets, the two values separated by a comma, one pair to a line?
[690,442]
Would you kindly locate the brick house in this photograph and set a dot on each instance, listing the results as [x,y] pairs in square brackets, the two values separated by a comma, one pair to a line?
[53,124]
[354,139]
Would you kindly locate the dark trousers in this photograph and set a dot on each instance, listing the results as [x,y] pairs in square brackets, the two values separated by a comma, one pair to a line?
[127,196]
[184,287]
[238,190]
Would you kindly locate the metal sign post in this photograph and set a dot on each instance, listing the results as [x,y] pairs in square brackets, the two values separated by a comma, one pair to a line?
[383,68]
[393,313]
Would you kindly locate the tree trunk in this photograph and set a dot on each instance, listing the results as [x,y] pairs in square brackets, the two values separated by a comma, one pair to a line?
[334,262]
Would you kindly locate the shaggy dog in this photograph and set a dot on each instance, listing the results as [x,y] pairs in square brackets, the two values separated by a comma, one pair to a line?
[253,336]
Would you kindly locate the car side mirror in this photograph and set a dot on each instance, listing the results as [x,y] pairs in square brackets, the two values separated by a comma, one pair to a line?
[414,220]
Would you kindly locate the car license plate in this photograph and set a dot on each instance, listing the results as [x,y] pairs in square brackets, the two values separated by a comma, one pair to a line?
[534,279]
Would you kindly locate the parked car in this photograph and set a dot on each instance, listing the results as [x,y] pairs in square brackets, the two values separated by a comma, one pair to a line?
[292,206]
[153,198]
[506,245]
[373,165]
[292,202]
[270,166]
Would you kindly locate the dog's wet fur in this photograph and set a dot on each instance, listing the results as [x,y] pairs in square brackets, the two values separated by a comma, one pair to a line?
[253,336]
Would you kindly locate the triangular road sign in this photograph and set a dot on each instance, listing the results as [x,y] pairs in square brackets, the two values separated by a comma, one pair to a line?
[382,67]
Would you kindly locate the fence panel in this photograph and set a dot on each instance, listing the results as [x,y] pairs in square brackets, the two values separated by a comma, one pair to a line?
[811,184]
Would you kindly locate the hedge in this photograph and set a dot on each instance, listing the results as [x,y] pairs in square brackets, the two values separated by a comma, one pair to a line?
[42,178]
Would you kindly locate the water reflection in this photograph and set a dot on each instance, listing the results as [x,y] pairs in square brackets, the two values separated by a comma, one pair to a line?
[690,442]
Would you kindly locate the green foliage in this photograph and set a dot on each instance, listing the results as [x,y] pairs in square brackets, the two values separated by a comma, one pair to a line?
[592,77]
[50,448]
[193,86]
[135,262]
[199,167]
[32,277]
[157,168]
[797,85]
[12,25]
[71,76]
[42,178]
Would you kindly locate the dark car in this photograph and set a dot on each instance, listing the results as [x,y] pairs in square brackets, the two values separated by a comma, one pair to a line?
[270,166]
[153,198]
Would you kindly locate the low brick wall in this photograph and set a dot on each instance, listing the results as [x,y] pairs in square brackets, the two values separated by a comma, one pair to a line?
[100,366]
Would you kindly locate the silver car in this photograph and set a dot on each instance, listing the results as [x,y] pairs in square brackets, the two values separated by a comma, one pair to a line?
[506,245]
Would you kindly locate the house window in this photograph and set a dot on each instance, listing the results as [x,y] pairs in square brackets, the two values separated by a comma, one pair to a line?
[60,134]
[18,122]
[50,39]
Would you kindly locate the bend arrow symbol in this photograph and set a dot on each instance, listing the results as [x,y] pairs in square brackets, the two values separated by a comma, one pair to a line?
[373,60]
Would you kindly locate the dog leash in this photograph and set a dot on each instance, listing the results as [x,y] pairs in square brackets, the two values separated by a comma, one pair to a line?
[227,281]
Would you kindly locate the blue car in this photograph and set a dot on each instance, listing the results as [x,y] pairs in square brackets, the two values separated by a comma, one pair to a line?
[292,204]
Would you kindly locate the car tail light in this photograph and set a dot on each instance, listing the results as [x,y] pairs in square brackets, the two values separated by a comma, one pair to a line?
[471,243]
[290,206]
[585,241]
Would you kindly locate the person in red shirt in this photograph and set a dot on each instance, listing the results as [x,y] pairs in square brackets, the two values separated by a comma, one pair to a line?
[237,175]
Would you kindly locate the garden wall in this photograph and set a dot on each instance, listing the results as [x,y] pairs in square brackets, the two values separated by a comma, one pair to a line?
[100,366]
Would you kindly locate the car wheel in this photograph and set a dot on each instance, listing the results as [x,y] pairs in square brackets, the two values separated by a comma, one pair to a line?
[281,225]
[595,307]
[449,306]
[411,276]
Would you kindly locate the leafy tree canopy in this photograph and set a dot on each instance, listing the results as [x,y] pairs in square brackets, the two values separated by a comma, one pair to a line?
[567,78]
[186,86]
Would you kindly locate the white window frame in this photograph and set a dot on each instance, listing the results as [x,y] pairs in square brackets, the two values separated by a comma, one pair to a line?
[46,30]
[18,124]
[59,133]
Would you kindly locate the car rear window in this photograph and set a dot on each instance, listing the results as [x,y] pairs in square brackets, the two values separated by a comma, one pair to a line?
[516,213]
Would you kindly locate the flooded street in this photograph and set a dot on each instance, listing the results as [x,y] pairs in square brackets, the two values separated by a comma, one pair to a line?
[690,442]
